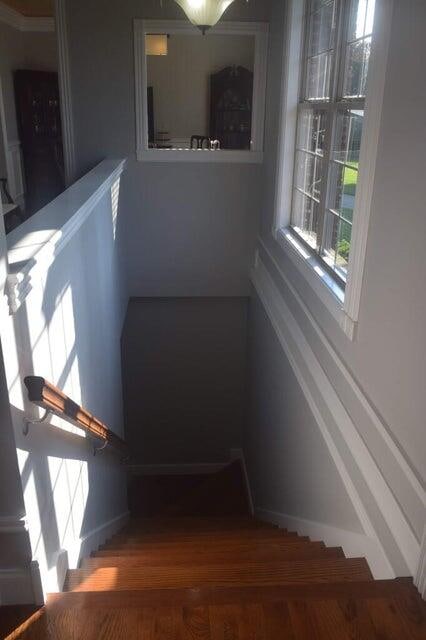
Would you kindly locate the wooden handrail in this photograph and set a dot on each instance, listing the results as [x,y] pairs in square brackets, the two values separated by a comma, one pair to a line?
[46,395]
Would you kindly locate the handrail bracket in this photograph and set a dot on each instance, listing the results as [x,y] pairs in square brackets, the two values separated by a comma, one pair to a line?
[30,421]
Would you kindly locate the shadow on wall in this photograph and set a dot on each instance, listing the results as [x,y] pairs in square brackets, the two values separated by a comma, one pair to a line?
[68,331]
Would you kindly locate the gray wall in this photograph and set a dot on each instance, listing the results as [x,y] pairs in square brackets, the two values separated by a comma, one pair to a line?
[388,356]
[191,228]
[290,467]
[184,363]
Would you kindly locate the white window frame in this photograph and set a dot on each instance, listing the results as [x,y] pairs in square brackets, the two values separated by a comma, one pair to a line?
[259,30]
[343,304]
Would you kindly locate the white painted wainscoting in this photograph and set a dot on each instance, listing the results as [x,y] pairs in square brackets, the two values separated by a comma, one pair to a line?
[67,302]
[387,496]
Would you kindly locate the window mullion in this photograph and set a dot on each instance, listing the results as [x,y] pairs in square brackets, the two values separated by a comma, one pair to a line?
[343,8]
[325,180]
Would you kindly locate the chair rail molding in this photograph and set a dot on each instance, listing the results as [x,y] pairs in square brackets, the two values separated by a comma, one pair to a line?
[13,524]
[376,495]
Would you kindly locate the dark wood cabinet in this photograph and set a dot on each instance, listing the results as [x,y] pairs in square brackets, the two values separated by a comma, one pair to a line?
[231,103]
[39,123]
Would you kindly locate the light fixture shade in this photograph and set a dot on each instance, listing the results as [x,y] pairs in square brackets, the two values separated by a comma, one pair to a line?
[204,13]
[156,44]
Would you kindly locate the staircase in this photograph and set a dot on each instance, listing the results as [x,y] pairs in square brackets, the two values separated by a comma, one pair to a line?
[191,570]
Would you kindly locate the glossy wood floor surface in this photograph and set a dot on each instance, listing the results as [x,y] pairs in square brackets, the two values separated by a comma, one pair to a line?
[218,576]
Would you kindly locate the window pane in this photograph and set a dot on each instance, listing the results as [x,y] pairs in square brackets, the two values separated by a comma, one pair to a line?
[311,131]
[321,36]
[361,19]
[337,244]
[305,217]
[318,77]
[358,49]
[342,190]
[308,173]
[344,170]
[320,49]
[348,136]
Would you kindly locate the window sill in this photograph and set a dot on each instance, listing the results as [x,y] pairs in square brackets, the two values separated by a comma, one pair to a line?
[330,293]
[200,155]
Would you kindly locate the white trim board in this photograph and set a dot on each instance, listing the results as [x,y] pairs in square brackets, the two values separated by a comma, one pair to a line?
[13,524]
[23,23]
[420,577]
[260,31]
[377,435]
[93,539]
[238,454]
[64,75]
[384,522]
[354,545]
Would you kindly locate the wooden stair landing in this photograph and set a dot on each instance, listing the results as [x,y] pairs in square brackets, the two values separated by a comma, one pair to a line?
[211,577]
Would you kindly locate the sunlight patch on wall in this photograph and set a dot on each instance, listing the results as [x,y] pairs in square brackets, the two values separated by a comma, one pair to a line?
[115,196]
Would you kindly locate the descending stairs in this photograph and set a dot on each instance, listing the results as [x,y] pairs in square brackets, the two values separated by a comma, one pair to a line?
[216,576]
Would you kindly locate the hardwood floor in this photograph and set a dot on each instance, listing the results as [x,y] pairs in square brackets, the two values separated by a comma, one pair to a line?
[215,576]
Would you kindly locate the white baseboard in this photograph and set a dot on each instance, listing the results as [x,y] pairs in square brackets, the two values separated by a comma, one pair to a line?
[93,539]
[69,558]
[371,487]
[420,578]
[354,545]
[21,586]
[176,469]
[238,454]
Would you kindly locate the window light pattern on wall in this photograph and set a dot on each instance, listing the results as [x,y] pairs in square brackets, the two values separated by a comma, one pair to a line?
[204,13]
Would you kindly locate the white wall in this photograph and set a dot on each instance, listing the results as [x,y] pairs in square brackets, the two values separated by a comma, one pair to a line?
[181,80]
[382,391]
[66,327]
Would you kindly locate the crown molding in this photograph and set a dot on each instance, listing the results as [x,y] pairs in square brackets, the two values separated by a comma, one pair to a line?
[24,23]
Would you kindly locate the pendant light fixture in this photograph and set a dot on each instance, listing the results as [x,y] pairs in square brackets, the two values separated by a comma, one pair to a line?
[204,13]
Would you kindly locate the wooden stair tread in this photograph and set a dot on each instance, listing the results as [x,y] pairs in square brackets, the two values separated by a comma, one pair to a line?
[167,524]
[204,540]
[297,571]
[202,535]
[214,578]
[399,588]
[216,545]
[211,557]
[132,615]
[204,557]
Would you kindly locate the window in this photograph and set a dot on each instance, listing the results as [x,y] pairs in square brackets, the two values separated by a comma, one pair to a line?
[330,124]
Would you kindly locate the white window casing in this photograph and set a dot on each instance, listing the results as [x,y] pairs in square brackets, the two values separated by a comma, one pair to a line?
[343,305]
